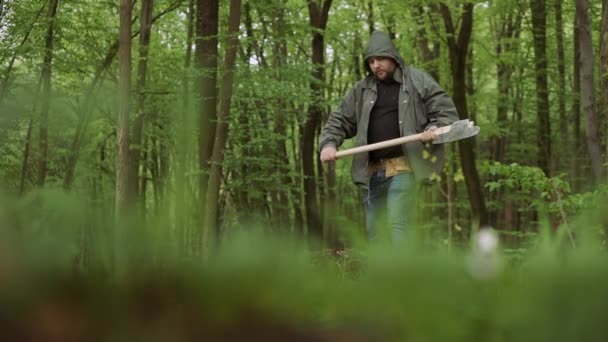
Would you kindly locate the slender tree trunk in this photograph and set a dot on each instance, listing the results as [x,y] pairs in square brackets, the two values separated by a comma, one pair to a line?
[370,16]
[136,143]
[285,193]
[46,93]
[247,147]
[539,28]
[26,155]
[221,134]
[206,62]
[122,123]
[182,139]
[577,147]
[318,15]
[604,64]
[508,30]
[391,24]
[356,57]
[588,89]
[470,83]
[458,45]
[561,82]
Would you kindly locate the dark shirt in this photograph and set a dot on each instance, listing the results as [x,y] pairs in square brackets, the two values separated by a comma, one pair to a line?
[384,120]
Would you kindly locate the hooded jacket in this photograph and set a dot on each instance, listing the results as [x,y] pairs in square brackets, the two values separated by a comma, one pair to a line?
[422,103]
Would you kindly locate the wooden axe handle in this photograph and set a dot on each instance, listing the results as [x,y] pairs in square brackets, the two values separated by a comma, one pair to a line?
[388,143]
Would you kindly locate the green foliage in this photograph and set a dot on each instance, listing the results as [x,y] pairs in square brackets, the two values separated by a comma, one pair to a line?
[255,284]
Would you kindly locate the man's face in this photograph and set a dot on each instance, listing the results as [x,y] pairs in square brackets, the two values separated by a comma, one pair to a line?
[382,67]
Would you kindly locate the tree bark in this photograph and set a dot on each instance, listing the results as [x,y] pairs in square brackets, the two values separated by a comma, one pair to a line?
[561,81]
[286,190]
[206,63]
[221,134]
[182,140]
[46,92]
[318,15]
[507,32]
[458,46]
[26,156]
[588,89]
[577,147]
[136,143]
[604,64]
[370,16]
[539,28]
[509,28]
[122,122]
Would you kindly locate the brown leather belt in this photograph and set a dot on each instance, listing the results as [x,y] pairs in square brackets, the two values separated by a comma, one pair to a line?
[393,166]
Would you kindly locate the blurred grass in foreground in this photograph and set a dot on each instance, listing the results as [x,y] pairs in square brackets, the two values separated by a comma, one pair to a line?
[260,287]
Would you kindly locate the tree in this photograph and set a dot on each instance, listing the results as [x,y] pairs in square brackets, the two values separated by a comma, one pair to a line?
[458,48]
[318,15]
[122,122]
[588,88]
[577,146]
[561,80]
[136,142]
[539,29]
[221,134]
[46,92]
[207,12]
[604,62]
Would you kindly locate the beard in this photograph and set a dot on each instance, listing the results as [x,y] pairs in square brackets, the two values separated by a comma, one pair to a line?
[383,75]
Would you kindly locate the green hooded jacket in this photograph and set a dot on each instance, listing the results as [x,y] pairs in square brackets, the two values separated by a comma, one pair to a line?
[422,103]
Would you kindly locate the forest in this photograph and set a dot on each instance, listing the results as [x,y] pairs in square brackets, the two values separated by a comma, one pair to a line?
[139,140]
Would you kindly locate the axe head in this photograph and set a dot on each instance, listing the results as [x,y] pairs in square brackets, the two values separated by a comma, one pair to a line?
[460,129]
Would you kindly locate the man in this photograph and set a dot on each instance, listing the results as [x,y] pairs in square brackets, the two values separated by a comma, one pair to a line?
[393,100]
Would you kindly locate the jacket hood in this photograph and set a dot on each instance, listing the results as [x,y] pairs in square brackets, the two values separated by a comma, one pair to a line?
[380,45]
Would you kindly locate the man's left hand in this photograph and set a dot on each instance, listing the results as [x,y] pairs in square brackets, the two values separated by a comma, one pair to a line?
[428,134]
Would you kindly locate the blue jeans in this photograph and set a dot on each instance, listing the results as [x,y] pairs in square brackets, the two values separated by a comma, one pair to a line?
[389,204]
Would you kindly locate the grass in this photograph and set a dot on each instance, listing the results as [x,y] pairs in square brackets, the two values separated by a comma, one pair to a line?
[260,287]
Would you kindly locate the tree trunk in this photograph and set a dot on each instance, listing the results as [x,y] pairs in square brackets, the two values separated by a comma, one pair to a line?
[577,147]
[356,57]
[182,139]
[221,134]
[370,16]
[561,83]
[122,122]
[508,30]
[539,28]
[121,200]
[458,48]
[318,15]
[206,62]
[46,93]
[285,192]
[26,156]
[136,143]
[588,89]
[604,64]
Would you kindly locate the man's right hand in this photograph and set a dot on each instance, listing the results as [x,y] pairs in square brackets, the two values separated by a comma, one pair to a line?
[328,154]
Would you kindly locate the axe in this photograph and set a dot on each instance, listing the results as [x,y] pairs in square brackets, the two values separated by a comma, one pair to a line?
[460,129]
